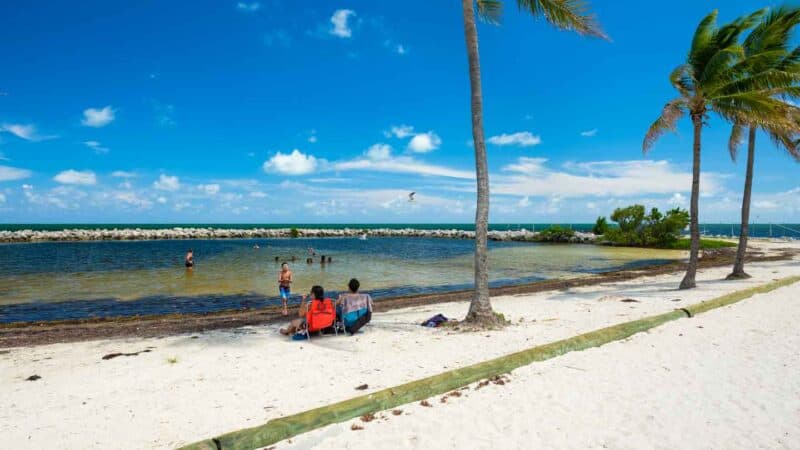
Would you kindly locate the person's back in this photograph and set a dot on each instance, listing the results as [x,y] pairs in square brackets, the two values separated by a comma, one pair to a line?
[356,308]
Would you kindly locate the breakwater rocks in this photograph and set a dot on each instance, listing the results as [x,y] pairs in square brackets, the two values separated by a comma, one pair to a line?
[136,234]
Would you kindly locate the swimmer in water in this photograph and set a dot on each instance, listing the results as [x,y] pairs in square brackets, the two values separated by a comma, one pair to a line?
[284,286]
[189,260]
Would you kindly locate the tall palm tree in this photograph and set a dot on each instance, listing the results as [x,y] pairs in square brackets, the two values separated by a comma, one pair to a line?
[565,14]
[766,48]
[713,80]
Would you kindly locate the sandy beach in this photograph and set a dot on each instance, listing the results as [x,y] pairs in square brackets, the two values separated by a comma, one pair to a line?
[731,383]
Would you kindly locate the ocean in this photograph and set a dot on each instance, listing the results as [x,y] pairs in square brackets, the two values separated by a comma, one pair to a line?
[73,280]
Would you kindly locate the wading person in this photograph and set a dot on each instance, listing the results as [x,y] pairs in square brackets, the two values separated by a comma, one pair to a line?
[284,286]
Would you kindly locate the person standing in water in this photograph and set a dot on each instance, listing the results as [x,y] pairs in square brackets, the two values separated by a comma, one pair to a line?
[189,259]
[284,286]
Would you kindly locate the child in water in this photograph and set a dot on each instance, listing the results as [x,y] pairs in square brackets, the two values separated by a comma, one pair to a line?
[284,286]
[189,260]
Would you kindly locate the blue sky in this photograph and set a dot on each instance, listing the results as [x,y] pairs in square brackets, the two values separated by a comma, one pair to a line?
[332,111]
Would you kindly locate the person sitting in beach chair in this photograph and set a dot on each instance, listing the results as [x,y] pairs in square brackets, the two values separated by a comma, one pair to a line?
[315,316]
[356,308]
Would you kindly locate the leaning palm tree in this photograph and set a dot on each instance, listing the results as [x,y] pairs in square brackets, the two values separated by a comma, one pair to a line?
[766,48]
[565,14]
[713,80]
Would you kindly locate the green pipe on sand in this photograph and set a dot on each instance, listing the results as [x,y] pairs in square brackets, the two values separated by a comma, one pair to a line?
[282,428]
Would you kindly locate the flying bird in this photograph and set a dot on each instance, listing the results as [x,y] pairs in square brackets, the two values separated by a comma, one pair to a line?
[411,196]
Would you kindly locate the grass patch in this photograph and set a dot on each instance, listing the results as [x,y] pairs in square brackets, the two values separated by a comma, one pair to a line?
[705,244]
[172,360]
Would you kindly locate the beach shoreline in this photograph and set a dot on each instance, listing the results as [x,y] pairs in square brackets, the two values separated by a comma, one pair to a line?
[62,331]
[168,390]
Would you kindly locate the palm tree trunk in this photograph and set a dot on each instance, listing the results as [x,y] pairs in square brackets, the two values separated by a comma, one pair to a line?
[688,281]
[738,265]
[480,309]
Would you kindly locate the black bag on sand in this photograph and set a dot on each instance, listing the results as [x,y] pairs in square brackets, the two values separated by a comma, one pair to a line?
[359,323]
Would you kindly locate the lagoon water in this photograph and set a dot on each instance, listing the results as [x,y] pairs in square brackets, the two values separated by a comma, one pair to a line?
[67,280]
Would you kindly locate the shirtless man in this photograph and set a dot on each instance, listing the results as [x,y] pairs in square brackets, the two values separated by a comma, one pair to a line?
[284,286]
[189,259]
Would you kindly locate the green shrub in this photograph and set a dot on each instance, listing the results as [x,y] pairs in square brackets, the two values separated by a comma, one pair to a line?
[555,233]
[294,233]
[705,244]
[653,230]
[600,226]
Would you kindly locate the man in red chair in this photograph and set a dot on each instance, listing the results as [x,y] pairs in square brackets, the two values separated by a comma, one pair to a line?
[316,316]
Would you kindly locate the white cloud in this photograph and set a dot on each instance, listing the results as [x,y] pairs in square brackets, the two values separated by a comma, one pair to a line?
[96,146]
[248,7]
[531,176]
[27,132]
[3,157]
[161,200]
[258,194]
[766,204]
[122,174]
[339,21]
[2,198]
[400,49]
[126,185]
[131,198]
[522,139]
[379,151]
[424,142]
[589,133]
[82,177]
[677,199]
[167,183]
[524,202]
[295,163]
[8,173]
[402,164]
[399,131]
[98,117]
[209,189]
[312,139]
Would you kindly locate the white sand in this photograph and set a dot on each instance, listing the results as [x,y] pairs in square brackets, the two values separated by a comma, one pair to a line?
[226,380]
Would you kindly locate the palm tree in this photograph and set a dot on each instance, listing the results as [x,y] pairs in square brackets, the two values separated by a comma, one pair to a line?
[565,14]
[766,48]
[713,80]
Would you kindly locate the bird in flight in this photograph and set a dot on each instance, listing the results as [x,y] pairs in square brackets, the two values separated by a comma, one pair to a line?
[411,196]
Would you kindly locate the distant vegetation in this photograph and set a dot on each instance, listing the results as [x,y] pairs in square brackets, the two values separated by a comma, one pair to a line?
[294,232]
[555,233]
[638,229]
[600,226]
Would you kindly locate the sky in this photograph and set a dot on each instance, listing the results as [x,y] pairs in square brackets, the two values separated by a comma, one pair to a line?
[278,111]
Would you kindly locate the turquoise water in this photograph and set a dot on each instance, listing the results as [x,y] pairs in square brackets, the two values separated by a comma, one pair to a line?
[63,280]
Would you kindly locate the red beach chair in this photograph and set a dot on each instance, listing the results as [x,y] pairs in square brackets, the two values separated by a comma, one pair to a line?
[320,315]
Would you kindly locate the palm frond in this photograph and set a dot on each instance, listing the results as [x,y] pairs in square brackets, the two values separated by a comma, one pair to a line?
[571,15]
[703,36]
[490,10]
[683,80]
[735,140]
[668,121]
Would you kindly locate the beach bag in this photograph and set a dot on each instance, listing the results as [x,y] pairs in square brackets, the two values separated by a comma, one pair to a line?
[435,321]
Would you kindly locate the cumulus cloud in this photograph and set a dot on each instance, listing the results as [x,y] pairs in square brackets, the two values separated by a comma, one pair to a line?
[379,151]
[8,173]
[161,200]
[2,198]
[400,49]
[339,21]
[532,176]
[248,7]
[521,139]
[96,146]
[424,142]
[677,199]
[295,163]
[97,118]
[589,133]
[402,164]
[524,202]
[81,177]
[209,189]
[167,183]
[122,174]
[258,194]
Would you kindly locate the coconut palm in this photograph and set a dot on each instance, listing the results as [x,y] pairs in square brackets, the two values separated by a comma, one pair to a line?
[565,14]
[713,79]
[766,48]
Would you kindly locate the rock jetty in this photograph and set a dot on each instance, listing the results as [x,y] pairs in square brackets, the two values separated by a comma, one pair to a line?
[138,234]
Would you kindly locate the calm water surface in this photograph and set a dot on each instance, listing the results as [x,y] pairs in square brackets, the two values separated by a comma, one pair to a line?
[51,281]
